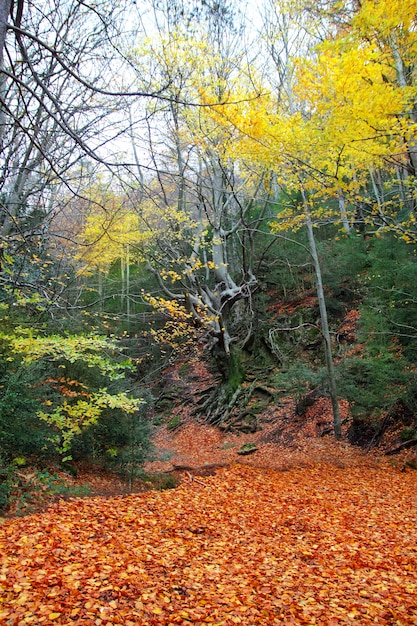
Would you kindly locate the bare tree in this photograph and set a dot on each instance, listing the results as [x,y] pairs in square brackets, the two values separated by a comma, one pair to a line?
[57,66]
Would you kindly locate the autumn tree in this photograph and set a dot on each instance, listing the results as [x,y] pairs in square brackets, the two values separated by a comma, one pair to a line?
[209,205]
[62,76]
[346,115]
[50,123]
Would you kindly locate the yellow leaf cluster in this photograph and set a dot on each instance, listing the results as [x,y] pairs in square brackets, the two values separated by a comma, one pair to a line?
[352,110]
[71,419]
[108,237]
[171,308]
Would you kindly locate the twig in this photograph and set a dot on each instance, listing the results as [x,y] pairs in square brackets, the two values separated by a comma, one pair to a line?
[193,478]
[403,446]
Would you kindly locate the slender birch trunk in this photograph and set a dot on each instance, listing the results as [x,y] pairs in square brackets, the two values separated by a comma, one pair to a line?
[337,423]
[343,212]
[4,15]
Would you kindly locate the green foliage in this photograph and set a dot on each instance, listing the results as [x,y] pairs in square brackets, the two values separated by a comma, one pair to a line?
[122,439]
[383,372]
[7,483]
[372,384]
[379,277]
[21,432]
[89,349]
[104,300]
[117,432]
[299,378]
[174,423]
[22,490]
[55,388]
[343,264]
[408,433]
[70,419]
[391,296]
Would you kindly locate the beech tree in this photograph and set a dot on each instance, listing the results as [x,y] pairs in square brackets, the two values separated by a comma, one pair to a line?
[203,250]
[342,118]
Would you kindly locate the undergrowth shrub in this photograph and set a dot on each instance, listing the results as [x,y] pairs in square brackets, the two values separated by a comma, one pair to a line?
[63,397]
[374,384]
[119,440]
[26,489]
[299,378]
[22,433]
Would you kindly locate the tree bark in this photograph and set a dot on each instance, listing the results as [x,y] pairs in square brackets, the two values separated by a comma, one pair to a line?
[4,15]
[343,212]
[404,82]
[324,322]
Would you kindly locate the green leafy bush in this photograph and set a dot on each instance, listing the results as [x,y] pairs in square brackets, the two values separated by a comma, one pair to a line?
[62,396]
[21,431]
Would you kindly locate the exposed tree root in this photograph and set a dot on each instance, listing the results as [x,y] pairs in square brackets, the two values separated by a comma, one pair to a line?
[403,446]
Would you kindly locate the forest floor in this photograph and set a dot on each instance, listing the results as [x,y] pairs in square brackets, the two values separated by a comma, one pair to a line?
[327,543]
[304,530]
[283,441]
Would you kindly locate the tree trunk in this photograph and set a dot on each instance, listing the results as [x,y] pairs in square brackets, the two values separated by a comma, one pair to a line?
[128,285]
[222,399]
[343,212]
[403,81]
[324,322]
[4,15]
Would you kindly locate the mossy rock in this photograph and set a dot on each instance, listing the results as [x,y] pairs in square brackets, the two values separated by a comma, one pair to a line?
[174,423]
[247,448]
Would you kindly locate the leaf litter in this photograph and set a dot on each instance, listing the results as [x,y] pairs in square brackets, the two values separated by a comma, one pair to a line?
[318,544]
[305,530]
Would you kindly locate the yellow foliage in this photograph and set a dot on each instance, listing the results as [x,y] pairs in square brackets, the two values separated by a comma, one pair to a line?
[108,237]
[71,419]
[352,112]
[383,16]
[171,308]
